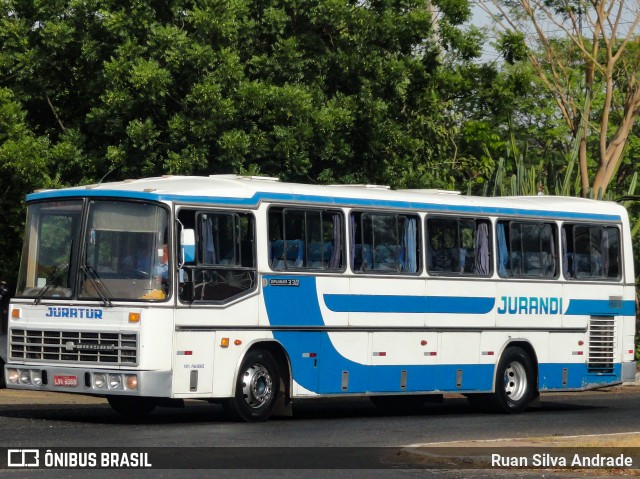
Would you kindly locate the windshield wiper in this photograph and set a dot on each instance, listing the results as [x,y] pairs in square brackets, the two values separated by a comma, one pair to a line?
[63,269]
[100,287]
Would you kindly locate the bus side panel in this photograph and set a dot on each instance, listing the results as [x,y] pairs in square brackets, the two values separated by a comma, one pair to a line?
[387,302]
[459,360]
[585,300]
[607,312]
[193,369]
[398,348]
[305,353]
[211,315]
[461,303]
[523,304]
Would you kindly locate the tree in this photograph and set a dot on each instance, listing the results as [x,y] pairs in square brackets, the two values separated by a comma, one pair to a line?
[308,90]
[595,42]
[23,167]
[350,91]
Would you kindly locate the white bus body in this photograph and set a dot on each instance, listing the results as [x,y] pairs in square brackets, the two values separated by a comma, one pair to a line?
[254,293]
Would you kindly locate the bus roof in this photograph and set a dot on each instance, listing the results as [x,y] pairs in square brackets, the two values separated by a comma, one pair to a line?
[246,191]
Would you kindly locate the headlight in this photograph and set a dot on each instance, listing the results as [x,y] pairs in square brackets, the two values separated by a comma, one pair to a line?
[36,377]
[25,376]
[100,381]
[115,381]
[13,376]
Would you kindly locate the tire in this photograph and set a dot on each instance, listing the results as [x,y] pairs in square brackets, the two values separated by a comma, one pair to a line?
[132,407]
[515,381]
[257,388]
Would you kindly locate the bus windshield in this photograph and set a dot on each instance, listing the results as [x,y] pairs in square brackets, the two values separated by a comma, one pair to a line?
[123,253]
[50,244]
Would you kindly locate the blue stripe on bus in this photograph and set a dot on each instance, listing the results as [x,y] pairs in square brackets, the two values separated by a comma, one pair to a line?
[290,306]
[600,307]
[323,373]
[551,376]
[258,197]
[365,303]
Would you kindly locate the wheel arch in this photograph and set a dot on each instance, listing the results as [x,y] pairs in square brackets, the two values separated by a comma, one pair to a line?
[525,345]
[280,356]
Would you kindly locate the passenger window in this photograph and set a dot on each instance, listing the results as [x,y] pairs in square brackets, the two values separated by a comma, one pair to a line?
[591,252]
[225,261]
[384,243]
[305,239]
[458,247]
[526,249]
[225,239]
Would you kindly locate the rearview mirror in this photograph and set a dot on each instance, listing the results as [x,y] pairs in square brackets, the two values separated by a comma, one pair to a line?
[188,246]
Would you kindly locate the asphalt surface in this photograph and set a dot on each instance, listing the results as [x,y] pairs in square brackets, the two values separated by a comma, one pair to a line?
[352,426]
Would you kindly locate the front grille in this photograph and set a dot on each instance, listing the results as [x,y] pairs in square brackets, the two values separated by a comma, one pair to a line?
[74,347]
[602,342]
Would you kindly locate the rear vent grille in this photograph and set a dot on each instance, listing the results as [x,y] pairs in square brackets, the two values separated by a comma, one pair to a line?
[602,343]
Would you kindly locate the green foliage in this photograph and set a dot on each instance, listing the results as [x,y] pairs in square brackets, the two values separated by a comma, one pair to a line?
[307,90]
[291,87]
[24,166]
[512,47]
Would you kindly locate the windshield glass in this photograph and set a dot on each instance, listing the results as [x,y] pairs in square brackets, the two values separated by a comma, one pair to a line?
[123,255]
[126,253]
[49,250]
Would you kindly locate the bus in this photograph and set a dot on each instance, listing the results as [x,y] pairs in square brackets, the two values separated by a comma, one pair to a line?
[256,293]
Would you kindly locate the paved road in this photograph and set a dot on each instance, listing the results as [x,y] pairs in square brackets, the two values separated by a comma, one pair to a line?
[77,422]
[65,420]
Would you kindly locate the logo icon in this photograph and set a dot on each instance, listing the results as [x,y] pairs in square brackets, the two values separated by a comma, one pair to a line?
[23,458]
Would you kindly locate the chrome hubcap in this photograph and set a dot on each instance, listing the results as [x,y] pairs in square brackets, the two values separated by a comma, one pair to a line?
[515,381]
[257,386]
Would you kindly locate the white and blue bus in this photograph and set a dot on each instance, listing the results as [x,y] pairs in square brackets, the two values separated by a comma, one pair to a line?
[257,293]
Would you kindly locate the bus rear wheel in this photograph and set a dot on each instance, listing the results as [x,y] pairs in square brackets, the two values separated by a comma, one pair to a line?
[515,379]
[132,407]
[257,388]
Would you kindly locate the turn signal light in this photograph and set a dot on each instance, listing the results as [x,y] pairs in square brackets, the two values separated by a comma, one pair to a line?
[131,381]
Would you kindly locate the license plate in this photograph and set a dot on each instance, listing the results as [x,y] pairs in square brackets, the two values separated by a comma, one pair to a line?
[68,381]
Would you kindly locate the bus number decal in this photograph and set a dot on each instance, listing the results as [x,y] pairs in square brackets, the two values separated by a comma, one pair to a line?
[284,282]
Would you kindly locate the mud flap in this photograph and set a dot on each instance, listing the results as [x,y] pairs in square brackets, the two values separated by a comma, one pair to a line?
[283,404]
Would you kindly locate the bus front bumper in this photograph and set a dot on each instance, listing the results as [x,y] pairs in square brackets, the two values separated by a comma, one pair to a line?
[95,382]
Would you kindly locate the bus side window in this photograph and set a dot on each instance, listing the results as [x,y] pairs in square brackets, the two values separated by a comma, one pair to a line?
[526,249]
[384,242]
[224,264]
[458,246]
[305,239]
[591,252]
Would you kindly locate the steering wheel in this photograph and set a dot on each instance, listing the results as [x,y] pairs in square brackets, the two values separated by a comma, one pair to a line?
[136,273]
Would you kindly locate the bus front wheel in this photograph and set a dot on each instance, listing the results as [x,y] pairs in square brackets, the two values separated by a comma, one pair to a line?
[514,381]
[257,388]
